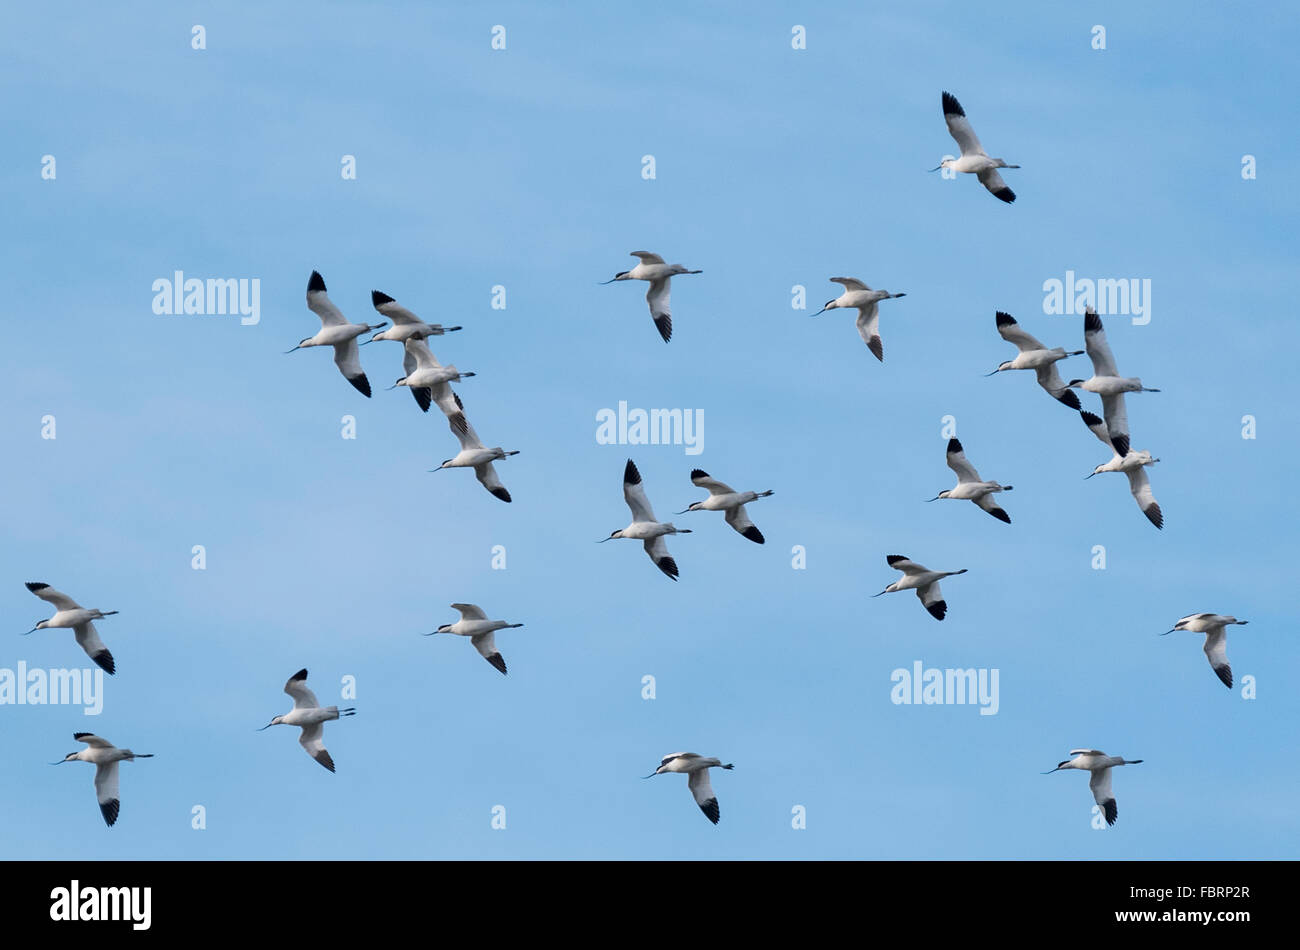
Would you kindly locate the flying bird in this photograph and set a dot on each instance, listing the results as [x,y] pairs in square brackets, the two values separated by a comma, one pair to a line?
[697,768]
[858,296]
[970,486]
[723,497]
[1099,764]
[974,159]
[1033,355]
[406,325]
[1133,464]
[1214,626]
[473,623]
[473,454]
[311,716]
[653,269]
[105,757]
[645,526]
[68,613]
[428,381]
[337,332]
[1107,382]
[922,580]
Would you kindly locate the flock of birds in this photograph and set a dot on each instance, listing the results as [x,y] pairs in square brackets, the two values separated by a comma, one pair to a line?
[429,382]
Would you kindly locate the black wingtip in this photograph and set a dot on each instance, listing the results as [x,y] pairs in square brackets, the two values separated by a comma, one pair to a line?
[105,660]
[953,446]
[378,298]
[361,384]
[695,473]
[895,558]
[1225,674]
[300,675]
[711,811]
[1091,322]
[1111,809]
[498,662]
[1000,515]
[81,735]
[753,534]
[1155,516]
[664,323]
[938,609]
[1005,194]
[325,760]
[1070,399]
[630,475]
[501,493]
[34,586]
[1121,444]
[668,566]
[109,810]
[951,106]
[1090,419]
[1005,319]
[317,282]
[423,397]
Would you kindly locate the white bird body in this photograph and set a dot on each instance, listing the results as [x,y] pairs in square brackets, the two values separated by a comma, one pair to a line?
[1032,354]
[69,614]
[653,269]
[697,768]
[104,756]
[858,296]
[428,371]
[406,325]
[1132,463]
[1214,626]
[310,716]
[922,580]
[474,454]
[1099,764]
[645,526]
[1107,382]
[970,487]
[422,369]
[473,623]
[337,332]
[722,497]
[973,160]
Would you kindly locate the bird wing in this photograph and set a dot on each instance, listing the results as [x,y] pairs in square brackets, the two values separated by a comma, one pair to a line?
[470,611]
[392,309]
[648,258]
[657,548]
[423,397]
[92,740]
[321,305]
[850,283]
[48,594]
[106,790]
[702,790]
[657,298]
[486,645]
[88,637]
[1086,752]
[303,698]
[959,126]
[486,473]
[958,462]
[1140,486]
[1013,332]
[990,504]
[347,357]
[932,600]
[705,480]
[1100,785]
[634,494]
[869,329]
[468,438]
[905,564]
[1116,414]
[313,740]
[678,755]
[1216,649]
[738,518]
[450,405]
[423,356]
[991,180]
[1094,341]
[1097,428]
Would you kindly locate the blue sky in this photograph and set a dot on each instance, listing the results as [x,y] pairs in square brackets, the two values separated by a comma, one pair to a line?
[522,168]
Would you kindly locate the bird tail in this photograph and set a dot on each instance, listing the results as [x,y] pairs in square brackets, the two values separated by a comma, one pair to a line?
[764,494]
[727,766]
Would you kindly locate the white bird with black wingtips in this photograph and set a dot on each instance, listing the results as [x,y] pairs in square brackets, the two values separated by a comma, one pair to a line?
[697,768]
[922,580]
[473,623]
[1033,355]
[104,756]
[1099,764]
[858,296]
[337,332]
[311,716]
[70,614]
[723,497]
[1133,464]
[653,269]
[473,454]
[645,526]
[974,160]
[970,486]
[1214,626]
[1107,383]
[406,325]
[429,382]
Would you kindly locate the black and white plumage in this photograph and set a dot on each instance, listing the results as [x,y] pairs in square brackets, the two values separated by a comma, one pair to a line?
[922,580]
[473,454]
[473,623]
[406,325]
[1215,628]
[1098,764]
[104,756]
[723,497]
[1033,355]
[309,715]
[696,768]
[653,269]
[337,332]
[1107,382]
[858,296]
[645,526]
[1133,464]
[974,160]
[970,486]
[69,614]
[430,382]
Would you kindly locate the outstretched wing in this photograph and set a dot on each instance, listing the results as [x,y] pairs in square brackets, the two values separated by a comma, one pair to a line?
[647,258]
[702,790]
[470,611]
[738,518]
[704,480]
[48,594]
[658,551]
[88,637]
[303,698]
[989,503]
[1013,332]
[991,180]
[1100,785]
[657,298]
[486,645]
[958,462]
[313,740]
[932,599]
[959,126]
[901,562]
[1140,486]
[1094,341]
[347,357]
[392,309]
[487,475]
[634,494]
[321,305]
[1216,649]
[849,283]
[106,791]
[869,329]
